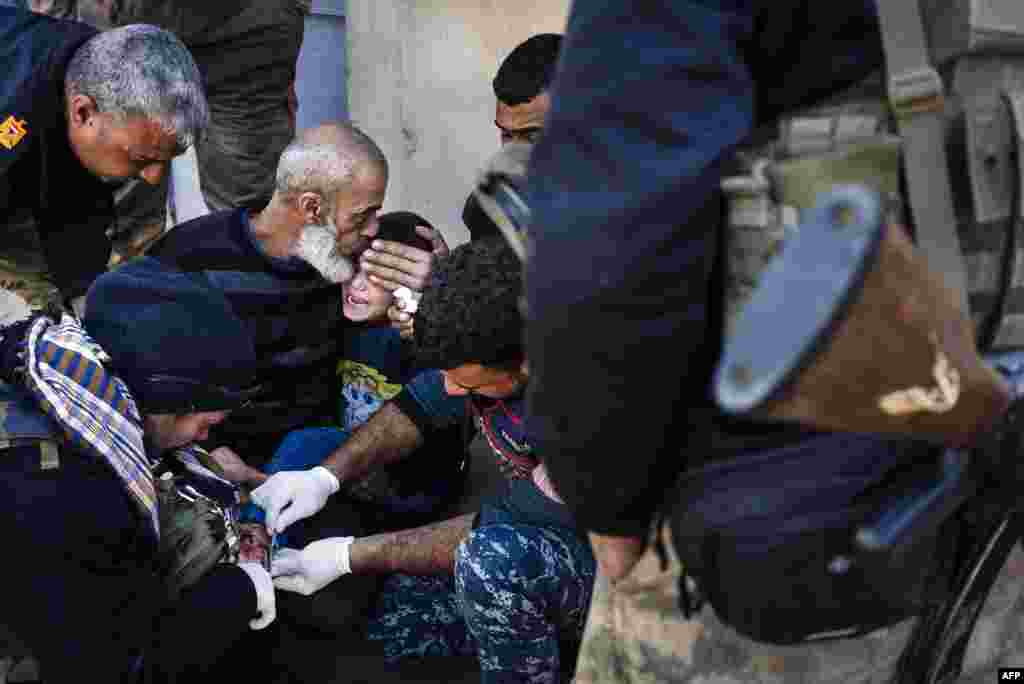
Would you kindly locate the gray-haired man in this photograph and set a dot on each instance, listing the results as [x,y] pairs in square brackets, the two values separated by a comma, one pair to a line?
[248,52]
[281,269]
[78,112]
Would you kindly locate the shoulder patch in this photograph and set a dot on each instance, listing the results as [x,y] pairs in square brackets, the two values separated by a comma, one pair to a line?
[12,131]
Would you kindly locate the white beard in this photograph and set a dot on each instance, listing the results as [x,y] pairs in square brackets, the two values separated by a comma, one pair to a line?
[317,247]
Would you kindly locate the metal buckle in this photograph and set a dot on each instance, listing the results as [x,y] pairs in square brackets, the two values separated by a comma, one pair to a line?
[916,92]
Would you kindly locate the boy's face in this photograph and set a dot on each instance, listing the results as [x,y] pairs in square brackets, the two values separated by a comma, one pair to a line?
[493,383]
[363,300]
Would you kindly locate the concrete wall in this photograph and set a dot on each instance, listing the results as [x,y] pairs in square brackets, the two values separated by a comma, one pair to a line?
[320,72]
[419,78]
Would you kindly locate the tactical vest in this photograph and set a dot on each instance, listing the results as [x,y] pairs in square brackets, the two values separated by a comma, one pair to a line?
[943,148]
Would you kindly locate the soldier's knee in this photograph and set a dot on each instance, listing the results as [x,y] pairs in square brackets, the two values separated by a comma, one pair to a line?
[502,555]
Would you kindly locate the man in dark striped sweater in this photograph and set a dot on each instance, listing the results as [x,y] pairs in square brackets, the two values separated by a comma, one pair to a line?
[281,269]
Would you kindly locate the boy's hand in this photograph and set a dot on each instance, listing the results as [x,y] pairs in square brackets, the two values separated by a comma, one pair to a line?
[233,467]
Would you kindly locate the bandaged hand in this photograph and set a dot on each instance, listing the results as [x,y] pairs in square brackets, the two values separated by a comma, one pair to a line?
[290,496]
[266,603]
[401,313]
[314,567]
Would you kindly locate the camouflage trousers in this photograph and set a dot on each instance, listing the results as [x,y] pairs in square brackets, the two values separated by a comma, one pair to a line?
[636,634]
[519,594]
[24,288]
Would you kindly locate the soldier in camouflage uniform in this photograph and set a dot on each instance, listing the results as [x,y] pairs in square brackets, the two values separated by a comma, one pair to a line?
[625,289]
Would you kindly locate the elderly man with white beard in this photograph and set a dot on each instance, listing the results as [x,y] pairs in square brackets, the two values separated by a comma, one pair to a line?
[281,269]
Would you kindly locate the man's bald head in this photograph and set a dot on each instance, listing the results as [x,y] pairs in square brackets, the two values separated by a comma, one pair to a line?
[331,182]
[325,160]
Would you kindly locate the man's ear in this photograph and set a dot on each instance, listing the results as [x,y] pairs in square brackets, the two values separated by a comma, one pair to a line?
[310,205]
[82,111]
[524,368]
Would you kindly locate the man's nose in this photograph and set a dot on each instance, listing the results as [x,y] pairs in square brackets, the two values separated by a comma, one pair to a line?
[153,173]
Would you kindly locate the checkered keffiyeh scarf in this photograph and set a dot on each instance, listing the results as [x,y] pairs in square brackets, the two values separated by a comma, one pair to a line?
[64,371]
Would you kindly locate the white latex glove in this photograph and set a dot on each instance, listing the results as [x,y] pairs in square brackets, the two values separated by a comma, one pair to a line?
[290,496]
[266,604]
[308,571]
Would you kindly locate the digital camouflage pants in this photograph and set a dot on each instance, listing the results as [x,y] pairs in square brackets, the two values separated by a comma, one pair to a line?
[519,595]
[636,634]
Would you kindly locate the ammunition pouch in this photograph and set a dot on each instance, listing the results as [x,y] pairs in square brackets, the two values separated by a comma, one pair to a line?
[777,559]
[852,140]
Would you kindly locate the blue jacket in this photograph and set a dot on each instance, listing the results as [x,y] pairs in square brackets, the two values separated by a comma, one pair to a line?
[624,329]
[39,174]
[293,314]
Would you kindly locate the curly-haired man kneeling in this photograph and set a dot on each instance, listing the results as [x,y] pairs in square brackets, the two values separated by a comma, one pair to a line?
[512,582]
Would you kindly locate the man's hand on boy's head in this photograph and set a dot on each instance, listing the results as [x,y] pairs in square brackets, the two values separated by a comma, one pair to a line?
[394,265]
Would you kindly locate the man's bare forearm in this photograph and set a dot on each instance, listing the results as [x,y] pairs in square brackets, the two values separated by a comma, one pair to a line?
[388,436]
[427,550]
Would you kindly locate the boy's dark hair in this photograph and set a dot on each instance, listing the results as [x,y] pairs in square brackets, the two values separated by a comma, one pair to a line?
[400,226]
[470,311]
[528,70]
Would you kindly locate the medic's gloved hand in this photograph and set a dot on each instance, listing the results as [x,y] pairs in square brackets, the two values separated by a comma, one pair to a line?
[294,495]
[266,604]
[320,563]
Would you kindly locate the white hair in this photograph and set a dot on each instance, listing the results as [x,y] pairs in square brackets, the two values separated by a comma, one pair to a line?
[142,70]
[324,160]
[317,246]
